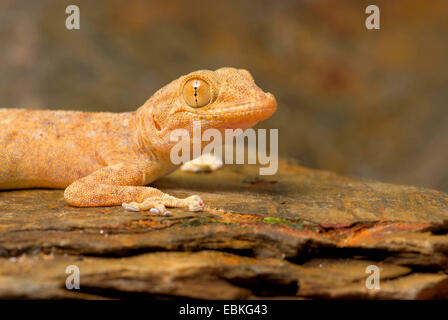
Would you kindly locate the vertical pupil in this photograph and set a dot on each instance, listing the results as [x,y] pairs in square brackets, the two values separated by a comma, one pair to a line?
[196,85]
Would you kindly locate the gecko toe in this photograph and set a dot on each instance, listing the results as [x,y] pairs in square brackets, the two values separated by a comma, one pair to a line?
[195,203]
[160,210]
[130,206]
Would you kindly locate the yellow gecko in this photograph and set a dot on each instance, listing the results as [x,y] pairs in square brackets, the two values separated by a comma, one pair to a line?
[107,159]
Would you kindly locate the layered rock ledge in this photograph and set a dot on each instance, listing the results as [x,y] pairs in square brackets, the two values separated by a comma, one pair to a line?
[301,233]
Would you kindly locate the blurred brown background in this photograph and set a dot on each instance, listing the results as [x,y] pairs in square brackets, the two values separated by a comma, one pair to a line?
[358,102]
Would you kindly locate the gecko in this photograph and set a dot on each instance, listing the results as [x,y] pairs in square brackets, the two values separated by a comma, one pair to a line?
[110,159]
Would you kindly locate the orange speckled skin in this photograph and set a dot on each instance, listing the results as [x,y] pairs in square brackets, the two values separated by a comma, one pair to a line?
[105,159]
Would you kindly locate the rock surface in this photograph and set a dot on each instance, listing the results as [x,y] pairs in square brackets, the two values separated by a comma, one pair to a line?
[301,233]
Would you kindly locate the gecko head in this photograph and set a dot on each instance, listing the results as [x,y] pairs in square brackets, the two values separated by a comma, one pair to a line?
[226,98]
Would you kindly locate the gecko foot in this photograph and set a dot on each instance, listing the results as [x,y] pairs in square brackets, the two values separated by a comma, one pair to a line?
[204,163]
[154,207]
[157,207]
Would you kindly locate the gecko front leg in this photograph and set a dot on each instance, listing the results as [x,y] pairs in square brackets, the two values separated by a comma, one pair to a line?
[121,184]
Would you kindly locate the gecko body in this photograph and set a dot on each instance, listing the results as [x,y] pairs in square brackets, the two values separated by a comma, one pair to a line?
[107,159]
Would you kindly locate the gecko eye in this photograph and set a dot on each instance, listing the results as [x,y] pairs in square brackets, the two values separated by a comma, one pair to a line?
[197,93]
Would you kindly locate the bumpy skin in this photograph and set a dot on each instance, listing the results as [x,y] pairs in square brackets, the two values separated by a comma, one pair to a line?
[107,159]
